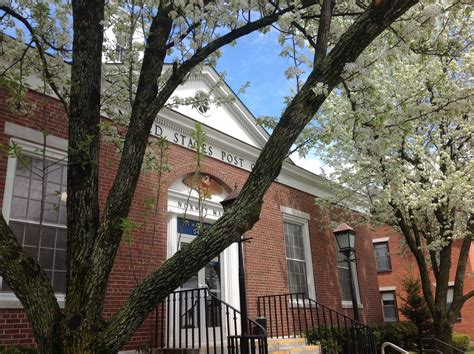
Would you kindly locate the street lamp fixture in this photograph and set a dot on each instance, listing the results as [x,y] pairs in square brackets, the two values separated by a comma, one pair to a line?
[345,238]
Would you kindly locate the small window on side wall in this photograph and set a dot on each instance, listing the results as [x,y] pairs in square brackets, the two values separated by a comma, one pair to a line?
[449,301]
[389,306]
[382,257]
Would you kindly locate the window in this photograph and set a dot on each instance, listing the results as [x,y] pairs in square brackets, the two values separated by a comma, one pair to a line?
[295,259]
[47,244]
[449,301]
[344,279]
[382,257]
[389,305]
[298,251]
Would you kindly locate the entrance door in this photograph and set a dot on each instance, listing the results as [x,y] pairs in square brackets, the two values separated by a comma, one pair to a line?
[200,314]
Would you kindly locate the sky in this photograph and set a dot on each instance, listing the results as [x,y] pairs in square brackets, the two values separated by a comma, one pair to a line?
[256,58]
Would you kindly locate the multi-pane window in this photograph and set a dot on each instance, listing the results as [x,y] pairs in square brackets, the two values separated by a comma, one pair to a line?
[382,257]
[344,278]
[46,241]
[295,258]
[389,305]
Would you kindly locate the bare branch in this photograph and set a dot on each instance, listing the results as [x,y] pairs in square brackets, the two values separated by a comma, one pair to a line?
[36,39]
[324,28]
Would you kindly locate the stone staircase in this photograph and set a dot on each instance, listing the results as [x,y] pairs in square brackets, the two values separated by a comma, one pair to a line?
[291,346]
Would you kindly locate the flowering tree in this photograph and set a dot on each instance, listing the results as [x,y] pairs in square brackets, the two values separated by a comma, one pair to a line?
[399,131]
[144,34]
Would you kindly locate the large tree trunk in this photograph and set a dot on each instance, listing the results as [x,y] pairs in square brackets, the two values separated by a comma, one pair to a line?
[443,330]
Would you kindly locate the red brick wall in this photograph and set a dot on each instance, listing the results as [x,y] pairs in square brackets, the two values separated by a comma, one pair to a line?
[403,263]
[264,257]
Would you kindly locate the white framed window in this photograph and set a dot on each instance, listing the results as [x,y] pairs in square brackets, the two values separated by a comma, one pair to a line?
[22,209]
[382,257]
[389,306]
[298,253]
[449,301]
[344,280]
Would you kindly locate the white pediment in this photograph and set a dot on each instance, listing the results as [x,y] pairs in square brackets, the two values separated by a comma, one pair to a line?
[231,118]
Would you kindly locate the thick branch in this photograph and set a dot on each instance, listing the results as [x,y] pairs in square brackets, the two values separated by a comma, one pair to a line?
[324,28]
[32,287]
[419,257]
[147,104]
[458,298]
[83,150]
[120,197]
[245,210]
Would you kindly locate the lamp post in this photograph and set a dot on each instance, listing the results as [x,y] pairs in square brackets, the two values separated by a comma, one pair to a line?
[226,203]
[345,238]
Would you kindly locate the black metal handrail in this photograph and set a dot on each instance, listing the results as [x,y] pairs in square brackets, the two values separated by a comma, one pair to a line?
[434,345]
[255,344]
[296,315]
[196,318]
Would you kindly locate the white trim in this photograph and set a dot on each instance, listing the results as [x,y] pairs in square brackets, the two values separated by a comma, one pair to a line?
[229,257]
[34,136]
[307,247]
[8,300]
[294,212]
[387,288]
[348,305]
[382,239]
[291,175]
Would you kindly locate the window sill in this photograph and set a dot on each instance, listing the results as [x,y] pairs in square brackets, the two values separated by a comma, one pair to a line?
[10,301]
[384,271]
[348,305]
[390,320]
[295,304]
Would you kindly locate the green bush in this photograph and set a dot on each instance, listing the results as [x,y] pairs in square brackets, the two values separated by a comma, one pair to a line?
[17,349]
[330,338]
[461,341]
[334,339]
[403,334]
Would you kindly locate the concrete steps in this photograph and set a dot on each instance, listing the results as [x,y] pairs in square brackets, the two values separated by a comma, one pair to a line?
[275,346]
[291,346]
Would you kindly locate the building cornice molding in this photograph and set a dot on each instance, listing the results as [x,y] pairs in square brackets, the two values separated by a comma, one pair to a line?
[290,175]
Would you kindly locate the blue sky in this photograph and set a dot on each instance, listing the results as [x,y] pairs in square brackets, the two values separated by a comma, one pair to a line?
[256,58]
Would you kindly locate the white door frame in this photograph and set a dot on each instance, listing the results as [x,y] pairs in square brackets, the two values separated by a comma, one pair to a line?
[178,205]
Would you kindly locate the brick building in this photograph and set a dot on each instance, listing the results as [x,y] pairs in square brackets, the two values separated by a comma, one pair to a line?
[292,249]
[395,262]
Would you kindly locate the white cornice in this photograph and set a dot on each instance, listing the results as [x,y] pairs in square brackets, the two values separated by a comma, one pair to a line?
[291,175]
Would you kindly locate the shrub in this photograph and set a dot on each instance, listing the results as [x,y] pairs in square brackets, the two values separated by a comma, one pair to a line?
[334,339]
[17,349]
[414,306]
[461,341]
[403,334]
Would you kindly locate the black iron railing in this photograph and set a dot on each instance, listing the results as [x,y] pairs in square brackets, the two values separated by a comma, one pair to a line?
[255,344]
[296,315]
[433,345]
[197,318]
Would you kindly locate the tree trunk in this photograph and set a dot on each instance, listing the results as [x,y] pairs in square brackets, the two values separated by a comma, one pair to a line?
[444,332]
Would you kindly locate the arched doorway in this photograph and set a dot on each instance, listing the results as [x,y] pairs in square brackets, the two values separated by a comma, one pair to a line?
[193,205]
